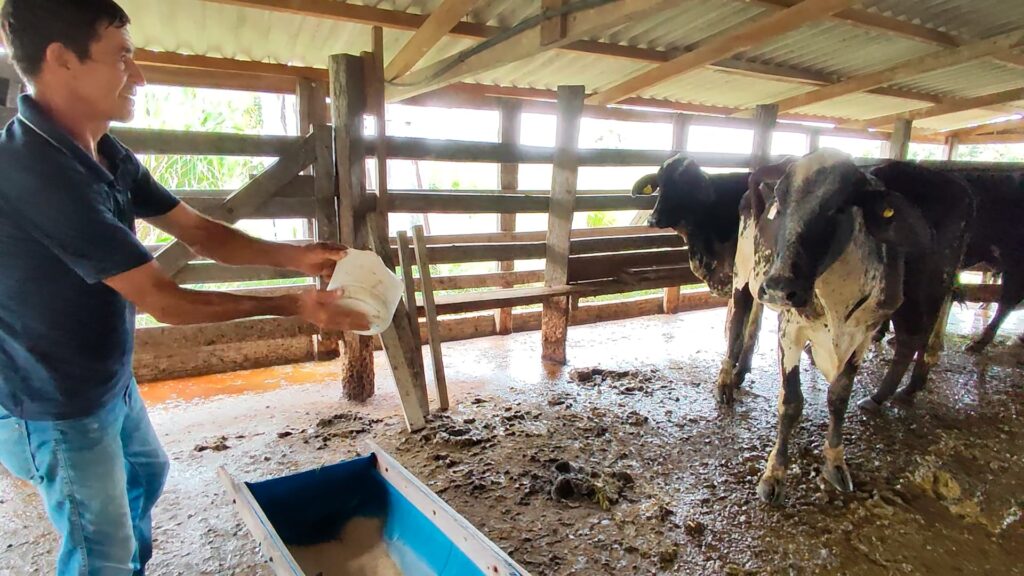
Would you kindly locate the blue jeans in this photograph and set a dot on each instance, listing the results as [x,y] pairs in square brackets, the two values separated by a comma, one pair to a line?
[99,477]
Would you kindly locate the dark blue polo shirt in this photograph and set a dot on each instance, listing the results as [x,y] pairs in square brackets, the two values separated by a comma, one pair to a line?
[66,224]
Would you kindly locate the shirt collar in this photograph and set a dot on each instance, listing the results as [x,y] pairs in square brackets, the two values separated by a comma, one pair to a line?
[33,116]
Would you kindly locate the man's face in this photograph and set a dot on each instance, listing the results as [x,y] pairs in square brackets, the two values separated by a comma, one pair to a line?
[104,84]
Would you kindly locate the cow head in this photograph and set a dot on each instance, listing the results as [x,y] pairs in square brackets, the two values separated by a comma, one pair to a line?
[810,222]
[685,198]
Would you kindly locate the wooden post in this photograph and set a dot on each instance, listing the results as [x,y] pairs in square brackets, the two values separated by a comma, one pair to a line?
[325,227]
[348,104]
[376,106]
[899,142]
[555,316]
[952,144]
[311,103]
[764,123]
[680,142]
[511,116]
[813,141]
[406,259]
[433,331]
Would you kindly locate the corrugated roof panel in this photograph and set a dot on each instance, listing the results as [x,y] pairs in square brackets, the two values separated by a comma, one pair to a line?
[967,80]
[973,19]
[713,87]
[684,25]
[958,120]
[836,49]
[550,69]
[861,106]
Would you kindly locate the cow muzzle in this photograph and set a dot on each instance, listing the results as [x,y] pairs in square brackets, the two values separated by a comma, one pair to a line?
[784,290]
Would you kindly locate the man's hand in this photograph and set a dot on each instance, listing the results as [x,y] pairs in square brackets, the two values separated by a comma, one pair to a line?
[321,308]
[319,259]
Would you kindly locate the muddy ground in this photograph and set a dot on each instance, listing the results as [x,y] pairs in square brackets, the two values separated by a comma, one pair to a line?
[635,472]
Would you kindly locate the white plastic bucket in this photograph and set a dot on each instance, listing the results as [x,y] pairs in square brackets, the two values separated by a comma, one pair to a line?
[369,287]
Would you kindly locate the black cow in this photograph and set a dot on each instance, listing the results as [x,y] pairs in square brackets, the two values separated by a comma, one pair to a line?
[704,210]
[836,251]
[997,239]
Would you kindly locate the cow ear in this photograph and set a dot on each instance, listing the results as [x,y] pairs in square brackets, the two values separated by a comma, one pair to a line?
[645,186]
[891,218]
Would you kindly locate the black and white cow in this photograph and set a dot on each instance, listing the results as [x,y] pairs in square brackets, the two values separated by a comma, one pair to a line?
[829,248]
[704,209]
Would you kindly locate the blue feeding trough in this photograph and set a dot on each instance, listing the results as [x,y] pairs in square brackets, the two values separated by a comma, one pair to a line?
[367,516]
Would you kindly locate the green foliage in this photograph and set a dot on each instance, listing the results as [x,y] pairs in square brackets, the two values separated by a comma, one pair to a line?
[600,220]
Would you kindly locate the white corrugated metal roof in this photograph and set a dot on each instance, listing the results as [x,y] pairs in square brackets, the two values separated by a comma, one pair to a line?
[829,47]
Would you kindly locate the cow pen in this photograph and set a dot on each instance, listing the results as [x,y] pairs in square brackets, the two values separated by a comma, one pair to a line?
[583,435]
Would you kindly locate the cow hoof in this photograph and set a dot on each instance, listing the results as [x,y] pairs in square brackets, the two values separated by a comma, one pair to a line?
[869,405]
[839,476]
[726,395]
[976,347]
[904,396]
[771,489]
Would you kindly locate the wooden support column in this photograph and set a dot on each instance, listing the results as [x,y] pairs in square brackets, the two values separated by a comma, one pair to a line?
[899,142]
[348,104]
[555,316]
[764,124]
[680,142]
[511,117]
[407,259]
[375,106]
[952,144]
[813,141]
[311,102]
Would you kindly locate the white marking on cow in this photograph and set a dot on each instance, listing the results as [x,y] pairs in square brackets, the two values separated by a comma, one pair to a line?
[810,164]
[773,211]
[671,160]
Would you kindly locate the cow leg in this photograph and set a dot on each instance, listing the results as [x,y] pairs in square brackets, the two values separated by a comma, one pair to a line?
[904,355]
[937,341]
[918,378]
[791,406]
[1013,293]
[879,335]
[740,307]
[750,333]
[835,469]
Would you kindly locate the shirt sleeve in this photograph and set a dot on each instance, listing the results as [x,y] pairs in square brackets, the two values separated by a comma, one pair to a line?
[75,218]
[149,198]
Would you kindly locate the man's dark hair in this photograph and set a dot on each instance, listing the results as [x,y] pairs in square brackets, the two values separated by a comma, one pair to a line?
[30,26]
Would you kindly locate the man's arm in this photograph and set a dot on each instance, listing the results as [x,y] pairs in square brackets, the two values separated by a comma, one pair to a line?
[153,292]
[228,245]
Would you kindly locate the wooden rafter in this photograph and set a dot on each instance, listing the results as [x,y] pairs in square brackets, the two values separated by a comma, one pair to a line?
[960,105]
[723,46]
[528,43]
[440,22]
[913,67]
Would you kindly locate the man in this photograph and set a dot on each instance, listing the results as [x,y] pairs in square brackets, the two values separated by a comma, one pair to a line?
[72,273]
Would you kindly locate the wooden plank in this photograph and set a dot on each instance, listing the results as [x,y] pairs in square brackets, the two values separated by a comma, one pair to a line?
[958,105]
[161,338]
[325,211]
[430,312]
[994,139]
[950,148]
[438,24]
[246,199]
[376,106]
[553,29]
[299,187]
[444,203]
[510,117]
[192,143]
[406,257]
[765,116]
[215,273]
[275,208]
[991,128]
[485,280]
[906,69]
[538,235]
[603,266]
[565,171]
[494,299]
[899,143]
[722,46]
[489,56]
[348,105]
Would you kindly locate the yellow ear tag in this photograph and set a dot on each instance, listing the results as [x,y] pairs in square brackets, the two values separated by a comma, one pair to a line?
[648,190]
[888,212]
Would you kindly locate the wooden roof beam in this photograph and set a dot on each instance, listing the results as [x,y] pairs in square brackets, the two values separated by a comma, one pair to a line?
[989,128]
[524,45]
[938,60]
[960,105]
[723,46]
[434,28]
